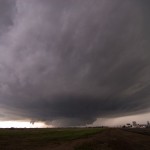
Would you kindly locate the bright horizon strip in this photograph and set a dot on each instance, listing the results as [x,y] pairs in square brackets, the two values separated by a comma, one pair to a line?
[22,124]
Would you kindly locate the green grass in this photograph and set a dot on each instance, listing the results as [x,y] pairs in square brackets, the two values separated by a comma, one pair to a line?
[32,138]
[93,146]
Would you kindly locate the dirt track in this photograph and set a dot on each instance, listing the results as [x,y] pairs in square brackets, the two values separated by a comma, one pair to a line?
[109,139]
[55,139]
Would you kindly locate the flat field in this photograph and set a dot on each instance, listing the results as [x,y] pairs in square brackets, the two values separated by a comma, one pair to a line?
[74,139]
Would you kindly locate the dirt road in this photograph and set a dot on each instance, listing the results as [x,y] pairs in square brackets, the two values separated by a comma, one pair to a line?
[75,139]
[109,139]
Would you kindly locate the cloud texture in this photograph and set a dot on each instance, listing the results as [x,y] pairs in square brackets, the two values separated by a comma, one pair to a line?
[69,62]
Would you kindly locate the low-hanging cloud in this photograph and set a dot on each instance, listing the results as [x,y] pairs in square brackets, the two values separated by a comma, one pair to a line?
[69,62]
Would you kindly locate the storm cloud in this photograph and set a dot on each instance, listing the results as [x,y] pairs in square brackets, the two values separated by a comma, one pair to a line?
[69,62]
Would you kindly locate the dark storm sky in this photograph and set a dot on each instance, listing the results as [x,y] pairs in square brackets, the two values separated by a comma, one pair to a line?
[73,61]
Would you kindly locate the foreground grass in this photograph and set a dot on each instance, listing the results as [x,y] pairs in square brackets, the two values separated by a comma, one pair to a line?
[32,138]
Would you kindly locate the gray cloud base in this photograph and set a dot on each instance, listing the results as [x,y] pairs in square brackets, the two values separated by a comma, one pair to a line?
[70,62]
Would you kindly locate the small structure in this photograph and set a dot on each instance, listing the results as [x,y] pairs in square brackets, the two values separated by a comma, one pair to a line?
[148,124]
[134,124]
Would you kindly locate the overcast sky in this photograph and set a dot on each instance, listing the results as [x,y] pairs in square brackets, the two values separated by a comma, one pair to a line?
[70,62]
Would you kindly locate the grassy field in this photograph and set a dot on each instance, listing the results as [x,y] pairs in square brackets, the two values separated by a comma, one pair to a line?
[75,139]
[14,139]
